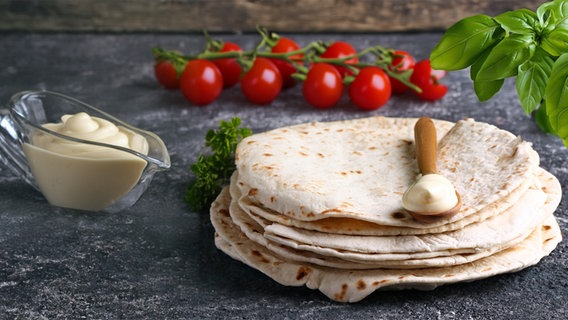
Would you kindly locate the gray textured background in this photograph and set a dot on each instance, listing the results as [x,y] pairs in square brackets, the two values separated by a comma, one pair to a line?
[157,260]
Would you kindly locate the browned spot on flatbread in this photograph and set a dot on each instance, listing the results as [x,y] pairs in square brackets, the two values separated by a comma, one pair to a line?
[303,154]
[549,239]
[341,295]
[267,154]
[260,257]
[251,142]
[398,215]
[302,272]
[361,285]
[449,275]
[546,227]
[224,212]
[376,283]
[253,192]
[272,198]
[486,269]
[321,155]
[330,211]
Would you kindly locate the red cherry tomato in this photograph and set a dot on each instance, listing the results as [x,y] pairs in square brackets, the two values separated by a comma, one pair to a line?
[428,80]
[371,88]
[201,82]
[286,68]
[340,49]
[402,61]
[438,74]
[229,67]
[323,86]
[262,83]
[166,74]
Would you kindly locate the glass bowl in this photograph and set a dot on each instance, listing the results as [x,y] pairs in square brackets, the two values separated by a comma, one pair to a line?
[112,181]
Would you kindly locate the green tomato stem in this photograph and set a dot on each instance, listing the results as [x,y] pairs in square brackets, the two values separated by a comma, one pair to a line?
[382,57]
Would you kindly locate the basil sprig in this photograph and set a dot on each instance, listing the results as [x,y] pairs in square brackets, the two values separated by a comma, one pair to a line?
[531,46]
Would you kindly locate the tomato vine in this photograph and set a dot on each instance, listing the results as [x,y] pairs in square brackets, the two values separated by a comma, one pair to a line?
[293,64]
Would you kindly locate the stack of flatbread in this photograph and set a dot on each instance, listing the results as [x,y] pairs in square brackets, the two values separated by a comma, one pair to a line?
[319,204]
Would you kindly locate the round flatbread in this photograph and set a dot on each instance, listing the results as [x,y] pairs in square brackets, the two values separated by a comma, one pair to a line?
[359,169]
[354,285]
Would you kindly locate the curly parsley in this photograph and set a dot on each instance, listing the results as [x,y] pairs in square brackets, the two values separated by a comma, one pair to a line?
[213,170]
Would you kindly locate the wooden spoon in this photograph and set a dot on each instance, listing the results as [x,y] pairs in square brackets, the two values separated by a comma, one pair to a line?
[426,153]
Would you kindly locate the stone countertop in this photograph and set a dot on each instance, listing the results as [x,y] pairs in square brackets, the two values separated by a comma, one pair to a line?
[157,260]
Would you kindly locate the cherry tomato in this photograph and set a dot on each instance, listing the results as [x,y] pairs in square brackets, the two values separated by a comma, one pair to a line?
[229,67]
[286,68]
[340,49]
[201,82]
[166,74]
[428,80]
[323,86]
[262,83]
[402,61]
[438,74]
[371,88]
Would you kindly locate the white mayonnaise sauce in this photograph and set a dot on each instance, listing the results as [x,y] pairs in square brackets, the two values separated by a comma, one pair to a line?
[432,193]
[85,176]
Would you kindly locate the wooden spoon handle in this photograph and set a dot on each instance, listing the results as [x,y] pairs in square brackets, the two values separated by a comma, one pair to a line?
[426,145]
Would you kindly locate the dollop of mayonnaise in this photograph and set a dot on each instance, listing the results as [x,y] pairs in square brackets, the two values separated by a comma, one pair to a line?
[86,127]
[432,193]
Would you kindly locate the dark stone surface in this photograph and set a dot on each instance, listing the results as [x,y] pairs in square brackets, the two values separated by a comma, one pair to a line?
[157,260]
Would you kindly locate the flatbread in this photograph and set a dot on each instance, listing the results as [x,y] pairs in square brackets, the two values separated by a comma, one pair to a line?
[359,169]
[517,221]
[354,285]
[319,205]
[433,250]
[350,226]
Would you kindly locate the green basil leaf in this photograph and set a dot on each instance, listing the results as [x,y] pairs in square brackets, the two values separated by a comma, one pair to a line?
[556,93]
[506,56]
[562,130]
[476,66]
[485,90]
[543,13]
[519,21]
[532,79]
[552,13]
[555,42]
[541,118]
[464,41]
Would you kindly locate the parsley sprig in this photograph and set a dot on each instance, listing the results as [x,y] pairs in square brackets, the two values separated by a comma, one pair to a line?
[213,170]
[531,46]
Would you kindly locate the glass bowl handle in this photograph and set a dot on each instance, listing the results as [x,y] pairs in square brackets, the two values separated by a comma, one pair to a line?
[11,153]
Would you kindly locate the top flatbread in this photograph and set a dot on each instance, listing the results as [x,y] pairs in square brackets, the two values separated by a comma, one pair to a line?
[359,169]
